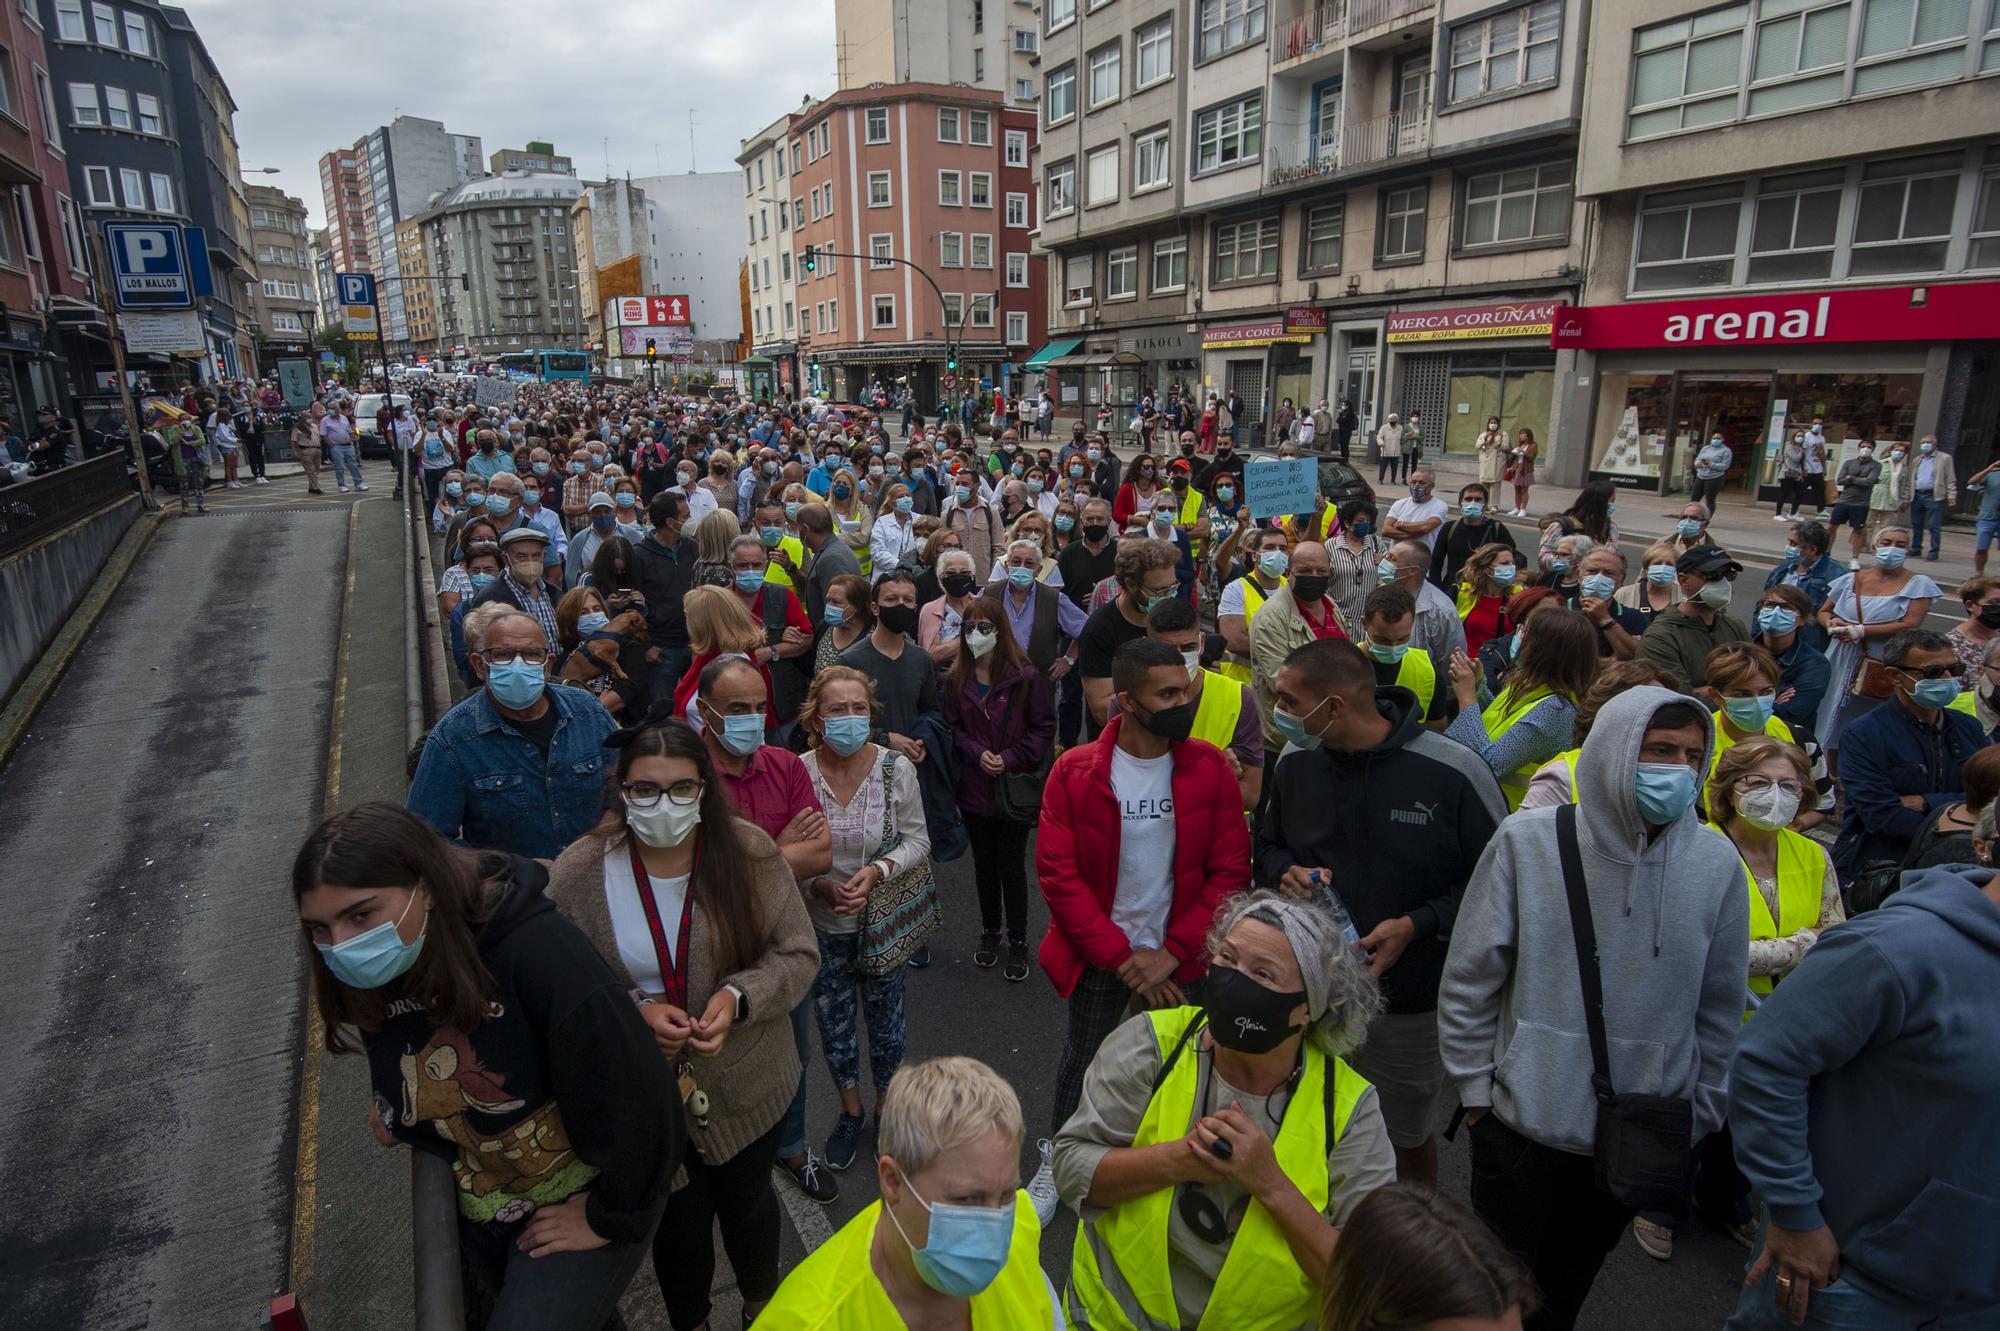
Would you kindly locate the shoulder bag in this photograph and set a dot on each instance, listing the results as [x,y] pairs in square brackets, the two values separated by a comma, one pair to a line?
[1017,796]
[1645,1143]
[902,912]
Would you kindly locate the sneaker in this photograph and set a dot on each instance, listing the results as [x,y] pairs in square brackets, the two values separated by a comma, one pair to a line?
[987,954]
[1017,962]
[343,489]
[1656,1241]
[361,485]
[1042,1187]
[813,1181]
[1744,1233]
[843,1142]
[1780,517]
[920,958]
[262,481]
[236,485]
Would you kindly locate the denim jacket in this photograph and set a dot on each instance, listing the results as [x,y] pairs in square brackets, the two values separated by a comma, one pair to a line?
[484,783]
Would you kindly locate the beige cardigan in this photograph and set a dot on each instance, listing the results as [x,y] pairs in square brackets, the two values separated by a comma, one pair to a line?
[751,1082]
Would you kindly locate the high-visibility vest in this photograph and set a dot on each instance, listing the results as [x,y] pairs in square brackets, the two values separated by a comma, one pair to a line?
[1416,673]
[1801,875]
[1221,707]
[1298,523]
[1190,514]
[1235,665]
[1568,759]
[836,1289]
[1119,1274]
[1775,728]
[1502,715]
[792,546]
[1967,702]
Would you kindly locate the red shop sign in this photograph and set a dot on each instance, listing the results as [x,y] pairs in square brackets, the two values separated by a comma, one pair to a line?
[1937,313]
[1305,319]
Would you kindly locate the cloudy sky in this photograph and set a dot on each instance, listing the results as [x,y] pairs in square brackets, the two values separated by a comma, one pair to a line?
[308,78]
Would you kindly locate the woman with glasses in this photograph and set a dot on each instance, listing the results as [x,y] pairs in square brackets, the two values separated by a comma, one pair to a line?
[876,816]
[699,917]
[1754,796]
[1743,683]
[1786,628]
[1862,611]
[456,583]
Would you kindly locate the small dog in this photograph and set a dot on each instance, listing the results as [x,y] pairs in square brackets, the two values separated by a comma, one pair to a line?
[598,654]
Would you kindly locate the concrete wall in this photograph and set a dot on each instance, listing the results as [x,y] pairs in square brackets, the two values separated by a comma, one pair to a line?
[700,238]
[42,585]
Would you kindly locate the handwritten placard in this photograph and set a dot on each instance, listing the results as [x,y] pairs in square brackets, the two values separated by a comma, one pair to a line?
[1278,487]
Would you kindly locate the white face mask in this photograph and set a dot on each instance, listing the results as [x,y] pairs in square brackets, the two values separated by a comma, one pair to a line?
[664,825]
[980,641]
[1716,595]
[1193,660]
[1768,809]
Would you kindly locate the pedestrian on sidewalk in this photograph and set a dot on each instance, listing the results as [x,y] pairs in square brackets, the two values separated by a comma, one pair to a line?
[336,431]
[188,452]
[1492,446]
[250,422]
[1815,442]
[1933,493]
[1389,450]
[1792,477]
[1711,469]
[1857,483]
[1344,426]
[1521,471]
[304,441]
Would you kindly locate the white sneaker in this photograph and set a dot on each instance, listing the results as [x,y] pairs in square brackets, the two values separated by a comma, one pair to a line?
[236,485]
[1042,1187]
[1780,517]
[343,489]
[262,481]
[361,485]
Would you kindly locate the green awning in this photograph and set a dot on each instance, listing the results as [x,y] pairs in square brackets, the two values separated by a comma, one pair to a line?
[756,362]
[1060,347]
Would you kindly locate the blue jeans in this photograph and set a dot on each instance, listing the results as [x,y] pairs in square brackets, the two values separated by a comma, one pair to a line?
[673,663]
[1848,1304]
[792,1140]
[346,461]
[565,1291]
[1926,515]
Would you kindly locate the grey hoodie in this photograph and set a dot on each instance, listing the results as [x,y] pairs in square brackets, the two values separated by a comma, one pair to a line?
[1673,942]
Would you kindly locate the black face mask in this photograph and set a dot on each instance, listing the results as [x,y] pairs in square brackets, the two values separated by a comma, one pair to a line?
[1180,482]
[898,618]
[1169,723]
[957,584]
[1096,532]
[1187,450]
[1244,1015]
[1309,587]
[1989,615]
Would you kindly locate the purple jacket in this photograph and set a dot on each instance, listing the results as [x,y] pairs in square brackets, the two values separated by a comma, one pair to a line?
[1014,719]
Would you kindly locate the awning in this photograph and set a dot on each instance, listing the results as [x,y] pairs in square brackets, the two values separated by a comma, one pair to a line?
[1126,359]
[1059,347]
[756,363]
[1094,361]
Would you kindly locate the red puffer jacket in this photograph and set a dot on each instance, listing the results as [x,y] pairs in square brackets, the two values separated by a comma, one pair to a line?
[1076,857]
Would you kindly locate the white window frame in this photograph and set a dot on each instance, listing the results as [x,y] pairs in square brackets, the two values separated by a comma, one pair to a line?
[979,128]
[131,189]
[1388,212]
[1555,180]
[141,114]
[875,130]
[1017,211]
[949,116]
[70,25]
[1152,148]
[979,189]
[1226,239]
[72,229]
[951,189]
[1017,328]
[84,108]
[1106,66]
[1017,269]
[1121,273]
[136,25]
[104,20]
[1323,223]
[1061,13]
[975,243]
[1016,148]
[980,311]
[886,198]
[882,249]
[833,316]
[953,311]
[117,106]
[1248,18]
[1172,249]
[951,249]
[93,176]
[1153,42]
[1027,41]
[1237,130]
[1516,34]
[1100,176]
[45,94]
[1061,203]
[877,304]
[1065,76]
[1075,293]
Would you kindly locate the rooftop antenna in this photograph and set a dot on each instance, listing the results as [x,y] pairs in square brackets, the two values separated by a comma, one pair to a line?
[607,157]
[691,165]
[658,170]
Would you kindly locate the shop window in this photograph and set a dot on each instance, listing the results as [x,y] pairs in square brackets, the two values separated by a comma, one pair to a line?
[1877,407]
[1634,418]
[1687,239]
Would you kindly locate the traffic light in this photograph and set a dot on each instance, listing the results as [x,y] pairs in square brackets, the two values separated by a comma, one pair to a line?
[811,260]
[651,350]
[951,360]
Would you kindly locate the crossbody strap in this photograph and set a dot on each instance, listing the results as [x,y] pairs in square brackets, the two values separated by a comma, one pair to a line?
[1585,933]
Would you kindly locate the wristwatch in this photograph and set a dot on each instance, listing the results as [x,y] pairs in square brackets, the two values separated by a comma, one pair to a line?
[742,1003]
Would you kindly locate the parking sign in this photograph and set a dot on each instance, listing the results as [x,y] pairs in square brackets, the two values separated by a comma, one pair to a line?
[148,266]
[356,288]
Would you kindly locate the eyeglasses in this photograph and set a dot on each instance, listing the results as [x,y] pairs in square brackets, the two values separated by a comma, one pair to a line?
[646,794]
[1757,785]
[1929,672]
[978,626]
[505,656]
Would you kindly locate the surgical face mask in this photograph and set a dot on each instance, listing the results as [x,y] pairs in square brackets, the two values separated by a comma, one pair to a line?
[686,479]
[1559,565]
[1927,448]
[1932,694]
[843,491]
[1770,808]
[980,641]
[1660,574]
[664,825]
[516,685]
[1890,556]
[1035,486]
[966,1248]
[576,469]
[1716,595]
[1064,522]
[962,494]
[1021,577]
[845,734]
[1600,585]
[1776,620]
[499,505]
[1362,527]
[1293,728]
[1504,574]
[1473,509]
[1094,454]
[1225,494]
[1689,528]
[372,959]
[771,536]
[834,616]
[1750,714]
[792,511]
[593,622]
[1244,1015]
[625,499]
[748,580]
[1388,655]
[875,471]
[1163,520]
[1664,791]
[1273,563]
[1791,554]
[541,468]
[904,503]
[1076,470]
[454,489]
[532,499]
[742,734]
[603,522]
[481,581]
[1193,662]
[770,468]
[1385,572]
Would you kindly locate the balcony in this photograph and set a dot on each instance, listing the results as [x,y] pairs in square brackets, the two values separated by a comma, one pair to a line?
[1312,36]
[1314,155]
[1372,23]
[1396,135]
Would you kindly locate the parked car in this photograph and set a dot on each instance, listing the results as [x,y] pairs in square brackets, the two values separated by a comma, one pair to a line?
[365,408]
[1338,481]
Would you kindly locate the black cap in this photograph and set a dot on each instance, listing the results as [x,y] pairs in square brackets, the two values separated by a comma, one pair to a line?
[1708,560]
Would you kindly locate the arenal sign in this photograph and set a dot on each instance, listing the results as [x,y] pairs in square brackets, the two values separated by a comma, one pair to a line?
[1934,313]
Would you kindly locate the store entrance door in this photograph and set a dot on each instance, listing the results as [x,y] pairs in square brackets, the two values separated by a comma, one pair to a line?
[1360,391]
[1736,407]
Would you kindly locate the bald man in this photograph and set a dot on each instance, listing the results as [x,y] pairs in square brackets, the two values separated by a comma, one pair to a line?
[1297,613]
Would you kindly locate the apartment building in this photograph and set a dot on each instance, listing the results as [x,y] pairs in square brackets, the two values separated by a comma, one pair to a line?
[420,295]
[536,156]
[509,237]
[1798,217]
[321,248]
[767,221]
[344,202]
[615,228]
[1368,199]
[284,303]
[935,174]
[985,43]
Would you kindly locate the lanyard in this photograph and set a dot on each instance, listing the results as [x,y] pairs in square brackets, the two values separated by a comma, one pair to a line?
[673,978]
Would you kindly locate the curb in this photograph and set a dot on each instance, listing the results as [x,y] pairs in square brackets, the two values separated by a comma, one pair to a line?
[54,661]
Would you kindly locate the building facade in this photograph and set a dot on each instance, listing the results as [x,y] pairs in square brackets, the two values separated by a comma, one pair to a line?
[1798,217]
[916,172]
[767,219]
[509,237]
[285,303]
[406,165]
[534,157]
[698,253]
[323,270]
[350,232]
[616,230]
[984,43]
[211,192]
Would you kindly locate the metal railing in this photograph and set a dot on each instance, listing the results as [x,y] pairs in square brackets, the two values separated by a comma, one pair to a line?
[1316,154]
[1384,137]
[1316,27]
[31,509]
[1366,15]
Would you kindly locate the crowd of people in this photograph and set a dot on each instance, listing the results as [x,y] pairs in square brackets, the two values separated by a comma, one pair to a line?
[1346,822]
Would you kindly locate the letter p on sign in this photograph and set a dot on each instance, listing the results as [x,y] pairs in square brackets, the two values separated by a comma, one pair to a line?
[144,250]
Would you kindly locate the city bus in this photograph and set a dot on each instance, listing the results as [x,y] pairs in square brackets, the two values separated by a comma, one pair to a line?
[546,366]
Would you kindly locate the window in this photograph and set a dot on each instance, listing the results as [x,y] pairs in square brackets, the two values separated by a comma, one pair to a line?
[10,237]
[45,94]
[878,189]
[1229,135]
[948,124]
[1017,328]
[1246,251]
[149,113]
[788,314]
[1061,13]
[1150,168]
[951,186]
[1903,221]
[979,189]
[138,39]
[1100,177]
[1104,74]
[1121,273]
[1891,28]
[69,21]
[1017,210]
[1323,226]
[1801,55]
[784,215]
[881,250]
[97,187]
[284,322]
[1077,286]
[83,104]
[1229,24]
[1017,270]
[979,128]
[1519,204]
[117,108]
[1016,148]
[131,188]
[1153,52]
[795,159]
[1687,238]
[764,222]
[785,265]
[1506,51]
[1402,230]
[951,249]
[778,164]
[877,121]
[1024,90]
[1062,96]
[1685,73]
[978,16]
[833,316]
[1027,41]
[105,19]
[1062,188]
[885,311]
[1170,265]
[72,231]
[1795,227]
[954,310]
[982,250]
[799,212]
[982,311]
[760,173]
[1985,249]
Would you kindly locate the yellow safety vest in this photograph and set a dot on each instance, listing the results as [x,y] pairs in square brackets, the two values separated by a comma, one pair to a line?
[1801,874]
[1568,759]
[1967,702]
[1191,504]
[1234,666]
[792,546]
[835,1289]
[1220,709]
[1327,517]
[1502,715]
[1416,673]
[1775,728]
[1119,1275]
[862,555]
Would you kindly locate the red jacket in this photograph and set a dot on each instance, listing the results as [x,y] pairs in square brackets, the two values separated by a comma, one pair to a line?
[1076,857]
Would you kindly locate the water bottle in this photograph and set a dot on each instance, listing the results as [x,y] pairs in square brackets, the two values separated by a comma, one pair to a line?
[1331,899]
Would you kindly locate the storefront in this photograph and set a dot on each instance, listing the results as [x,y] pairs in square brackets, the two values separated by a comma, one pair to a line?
[1278,351]
[1160,355]
[1869,363]
[1460,366]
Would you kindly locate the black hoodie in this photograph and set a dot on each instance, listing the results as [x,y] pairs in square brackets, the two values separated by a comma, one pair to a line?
[560,1088]
[1401,827]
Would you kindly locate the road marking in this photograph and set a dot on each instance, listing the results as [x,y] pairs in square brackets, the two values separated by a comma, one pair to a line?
[305,1188]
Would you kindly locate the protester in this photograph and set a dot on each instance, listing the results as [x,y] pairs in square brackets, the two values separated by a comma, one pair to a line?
[1439,632]
[1862,612]
[1144,573]
[1555,782]
[1388,619]
[1266,561]
[1409,1257]
[844,619]
[1529,721]
[1464,535]
[1354,557]
[1806,564]
[583,622]
[787,631]
[1487,582]
[1655,591]
[1680,639]
[1225,712]
[304,442]
[1785,628]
